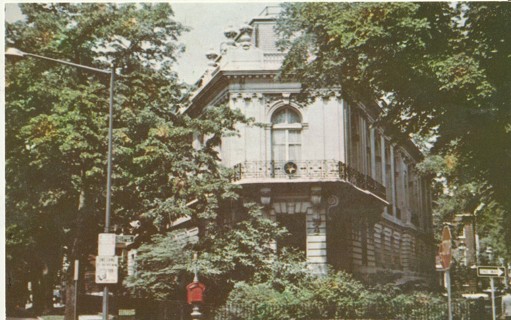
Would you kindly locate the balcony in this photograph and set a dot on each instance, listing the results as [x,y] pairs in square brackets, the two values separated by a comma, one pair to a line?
[314,170]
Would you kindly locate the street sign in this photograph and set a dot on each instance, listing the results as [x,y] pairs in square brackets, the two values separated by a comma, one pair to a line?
[187,236]
[106,244]
[106,269]
[445,248]
[491,271]
[128,238]
[121,241]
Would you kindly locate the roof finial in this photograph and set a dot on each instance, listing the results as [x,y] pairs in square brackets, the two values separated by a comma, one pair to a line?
[211,55]
[246,36]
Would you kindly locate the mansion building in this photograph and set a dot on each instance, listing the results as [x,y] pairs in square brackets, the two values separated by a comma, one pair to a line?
[350,196]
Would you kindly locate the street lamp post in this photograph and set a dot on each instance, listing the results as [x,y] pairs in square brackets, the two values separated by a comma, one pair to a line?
[489,252]
[13,52]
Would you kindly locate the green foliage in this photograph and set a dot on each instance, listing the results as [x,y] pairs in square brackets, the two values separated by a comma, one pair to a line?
[333,297]
[241,249]
[456,193]
[57,143]
[443,70]
[161,268]
[227,254]
[57,121]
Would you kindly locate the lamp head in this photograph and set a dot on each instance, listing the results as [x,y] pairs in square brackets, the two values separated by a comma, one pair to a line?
[13,52]
[14,55]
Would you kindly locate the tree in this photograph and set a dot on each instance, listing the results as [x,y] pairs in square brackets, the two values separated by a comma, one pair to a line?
[441,68]
[57,127]
[227,254]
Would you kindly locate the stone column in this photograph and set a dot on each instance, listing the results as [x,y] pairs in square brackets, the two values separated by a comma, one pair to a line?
[342,133]
[393,179]
[316,233]
[373,154]
[384,171]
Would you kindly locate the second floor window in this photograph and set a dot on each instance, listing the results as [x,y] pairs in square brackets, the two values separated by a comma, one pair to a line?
[286,135]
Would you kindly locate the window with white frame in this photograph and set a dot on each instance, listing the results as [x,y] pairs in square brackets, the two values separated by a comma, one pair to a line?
[286,135]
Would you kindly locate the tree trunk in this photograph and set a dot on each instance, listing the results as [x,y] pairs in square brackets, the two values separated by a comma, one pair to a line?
[47,285]
[77,252]
[15,289]
[70,300]
[42,288]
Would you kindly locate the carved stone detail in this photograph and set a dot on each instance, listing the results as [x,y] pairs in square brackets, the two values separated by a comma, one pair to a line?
[246,96]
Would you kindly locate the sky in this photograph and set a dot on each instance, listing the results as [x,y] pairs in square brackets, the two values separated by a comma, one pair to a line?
[207,21]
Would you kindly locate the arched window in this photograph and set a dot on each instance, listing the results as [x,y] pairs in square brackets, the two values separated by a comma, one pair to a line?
[286,135]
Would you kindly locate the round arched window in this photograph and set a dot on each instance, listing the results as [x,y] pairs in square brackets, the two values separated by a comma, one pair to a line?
[286,135]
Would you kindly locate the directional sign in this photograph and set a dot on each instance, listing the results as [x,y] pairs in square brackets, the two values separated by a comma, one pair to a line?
[107,269]
[491,271]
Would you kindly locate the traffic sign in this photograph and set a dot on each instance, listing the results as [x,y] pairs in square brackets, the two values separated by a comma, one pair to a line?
[491,271]
[106,244]
[445,248]
[107,269]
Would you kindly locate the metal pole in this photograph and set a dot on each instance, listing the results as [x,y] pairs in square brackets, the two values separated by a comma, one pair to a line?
[76,289]
[109,179]
[489,251]
[109,168]
[448,282]
[81,66]
[492,284]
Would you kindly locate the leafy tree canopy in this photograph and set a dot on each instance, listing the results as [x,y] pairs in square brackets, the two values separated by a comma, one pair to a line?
[228,253]
[442,69]
[56,131]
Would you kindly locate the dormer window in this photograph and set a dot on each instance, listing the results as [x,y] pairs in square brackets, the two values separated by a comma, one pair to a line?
[286,135]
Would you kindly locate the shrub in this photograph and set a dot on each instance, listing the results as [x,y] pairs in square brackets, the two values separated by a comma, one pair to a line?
[312,297]
[336,296]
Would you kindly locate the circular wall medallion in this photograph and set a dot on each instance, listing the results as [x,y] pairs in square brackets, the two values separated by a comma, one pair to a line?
[290,168]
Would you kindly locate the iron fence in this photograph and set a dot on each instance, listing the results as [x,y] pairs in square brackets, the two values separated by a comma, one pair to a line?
[461,311]
[179,310]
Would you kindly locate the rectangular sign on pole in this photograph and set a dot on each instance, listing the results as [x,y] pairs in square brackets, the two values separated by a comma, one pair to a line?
[106,269]
[128,238]
[106,244]
[490,271]
[75,277]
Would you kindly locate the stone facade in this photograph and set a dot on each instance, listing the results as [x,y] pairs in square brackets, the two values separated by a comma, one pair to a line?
[348,193]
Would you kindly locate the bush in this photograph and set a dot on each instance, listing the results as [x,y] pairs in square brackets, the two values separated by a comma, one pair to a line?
[312,297]
[337,296]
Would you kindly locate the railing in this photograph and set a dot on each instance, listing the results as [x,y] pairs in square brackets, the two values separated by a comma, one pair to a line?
[274,57]
[180,310]
[307,169]
[306,311]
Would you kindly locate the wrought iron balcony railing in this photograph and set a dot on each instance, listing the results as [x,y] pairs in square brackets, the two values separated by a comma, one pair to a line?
[307,169]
